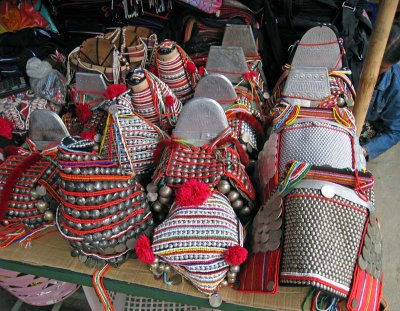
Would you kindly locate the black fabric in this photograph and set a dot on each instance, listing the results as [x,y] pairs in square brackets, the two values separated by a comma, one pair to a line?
[286,21]
[17,47]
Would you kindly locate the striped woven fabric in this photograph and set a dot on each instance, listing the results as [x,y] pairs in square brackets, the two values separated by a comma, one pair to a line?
[152,103]
[179,72]
[193,240]
[129,138]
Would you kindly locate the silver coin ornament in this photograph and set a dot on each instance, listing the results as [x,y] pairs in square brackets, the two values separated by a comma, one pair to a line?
[215,300]
[106,208]
[29,202]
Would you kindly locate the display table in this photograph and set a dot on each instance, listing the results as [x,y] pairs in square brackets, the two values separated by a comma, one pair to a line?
[50,257]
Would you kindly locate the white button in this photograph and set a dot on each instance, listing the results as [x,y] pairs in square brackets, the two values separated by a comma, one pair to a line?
[328,192]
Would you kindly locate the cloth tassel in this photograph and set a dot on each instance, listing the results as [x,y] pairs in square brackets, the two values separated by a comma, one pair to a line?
[17,233]
[98,284]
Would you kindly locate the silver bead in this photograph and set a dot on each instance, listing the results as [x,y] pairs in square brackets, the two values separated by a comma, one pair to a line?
[224,283]
[340,101]
[42,206]
[157,207]
[235,268]
[233,195]
[165,191]
[231,275]
[224,186]
[238,204]
[245,211]
[49,216]
[163,200]
[34,194]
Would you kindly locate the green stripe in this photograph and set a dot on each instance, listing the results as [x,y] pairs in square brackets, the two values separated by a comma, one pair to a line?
[119,286]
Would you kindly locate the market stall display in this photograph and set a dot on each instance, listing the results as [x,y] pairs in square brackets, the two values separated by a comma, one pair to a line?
[170,149]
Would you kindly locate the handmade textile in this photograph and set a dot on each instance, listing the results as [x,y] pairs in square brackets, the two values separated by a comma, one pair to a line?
[322,136]
[175,68]
[136,44]
[28,184]
[200,238]
[103,208]
[341,90]
[18,107]
[131,141]
[156,102]
[218,164]
[325,214]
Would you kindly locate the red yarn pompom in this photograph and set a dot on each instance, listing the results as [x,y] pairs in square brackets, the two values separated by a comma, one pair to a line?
[192,193]
[190,67]
[169,101]
[249,75]
[88,135]
[143,250]
[114,90]
[83,113]
[201,71]
[6,128]
[235,255]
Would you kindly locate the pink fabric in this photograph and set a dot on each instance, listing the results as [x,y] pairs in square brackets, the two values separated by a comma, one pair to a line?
[33,290]
[211,6]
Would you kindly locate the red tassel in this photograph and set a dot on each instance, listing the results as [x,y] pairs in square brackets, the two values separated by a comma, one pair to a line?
[235,255]
[83,113]
[169,100]
[192,193]
[12,180]
[11,150]
[144,251]
[201,71]
[249,75]
[88,135]
[6,128]
[190,67]
[114,90]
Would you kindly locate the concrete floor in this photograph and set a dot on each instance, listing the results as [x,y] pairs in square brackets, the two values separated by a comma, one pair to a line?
[386,170]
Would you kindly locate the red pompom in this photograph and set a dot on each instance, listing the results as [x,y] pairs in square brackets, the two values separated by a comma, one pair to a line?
[235,255]
[169,100]
[190,67]
[88,135]
[249,75]
[83,113]
[192,193]
[114,90]
[201,71]
[6,128]
[143,250]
